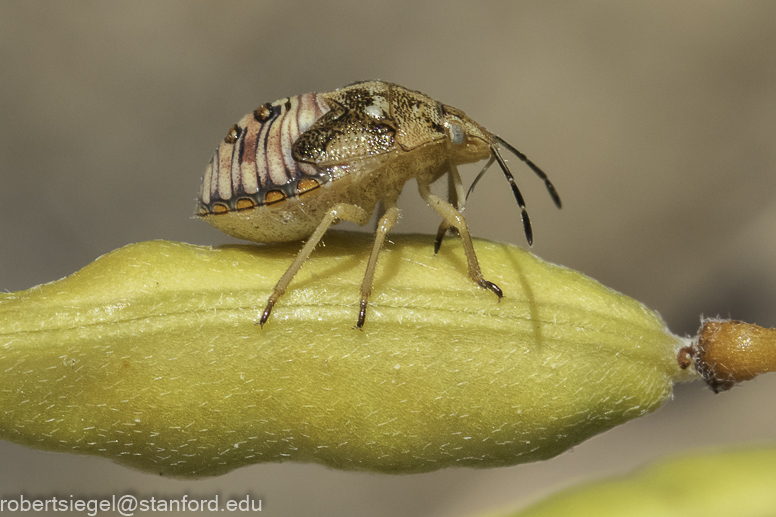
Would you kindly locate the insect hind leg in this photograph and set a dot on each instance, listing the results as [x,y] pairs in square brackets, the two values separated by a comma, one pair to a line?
[455,219]
[340,211]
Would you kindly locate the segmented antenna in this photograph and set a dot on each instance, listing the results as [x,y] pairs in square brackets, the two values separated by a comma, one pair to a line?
[534,167]
[496,156]
[516,192]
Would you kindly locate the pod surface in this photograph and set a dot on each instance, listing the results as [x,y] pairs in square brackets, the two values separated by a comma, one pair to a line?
[150,356]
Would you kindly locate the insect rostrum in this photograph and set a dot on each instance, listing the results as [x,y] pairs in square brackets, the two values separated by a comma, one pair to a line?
[292,168]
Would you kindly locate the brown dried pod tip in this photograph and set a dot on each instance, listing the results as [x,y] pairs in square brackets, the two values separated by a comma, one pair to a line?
[726,352]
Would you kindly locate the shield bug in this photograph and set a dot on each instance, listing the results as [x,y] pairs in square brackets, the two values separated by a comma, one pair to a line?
[292,168]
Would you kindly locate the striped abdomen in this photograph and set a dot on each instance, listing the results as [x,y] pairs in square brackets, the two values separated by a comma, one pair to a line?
[254,166]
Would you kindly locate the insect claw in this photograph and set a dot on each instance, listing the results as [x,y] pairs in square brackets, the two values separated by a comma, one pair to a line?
[490,286]
[265,315]
[362,315]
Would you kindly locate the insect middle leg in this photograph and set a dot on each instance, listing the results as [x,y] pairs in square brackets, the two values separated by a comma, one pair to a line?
[386,222]
[340,211]
[455,197]
[455,219]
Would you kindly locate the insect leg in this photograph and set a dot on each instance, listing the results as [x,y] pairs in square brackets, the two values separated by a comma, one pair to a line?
[455,187]
[341,211]
[455,218]
[455,197]
[386,222]
[443,227]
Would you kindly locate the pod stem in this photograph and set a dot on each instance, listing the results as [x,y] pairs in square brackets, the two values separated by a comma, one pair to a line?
[726,352]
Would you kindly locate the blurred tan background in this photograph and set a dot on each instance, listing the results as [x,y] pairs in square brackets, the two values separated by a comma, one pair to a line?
[655,120]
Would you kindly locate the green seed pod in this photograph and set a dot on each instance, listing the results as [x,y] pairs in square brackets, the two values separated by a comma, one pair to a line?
[738,482]
[150,356]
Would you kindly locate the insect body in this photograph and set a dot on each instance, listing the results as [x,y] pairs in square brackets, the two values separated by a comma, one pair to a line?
[294,167]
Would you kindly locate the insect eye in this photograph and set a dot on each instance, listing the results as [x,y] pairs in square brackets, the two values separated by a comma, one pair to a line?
[456,133]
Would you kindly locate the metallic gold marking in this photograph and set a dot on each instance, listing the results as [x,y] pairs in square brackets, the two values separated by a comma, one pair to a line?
[263,112]
[306,185]
[245,203]
[274,196]
[233,134]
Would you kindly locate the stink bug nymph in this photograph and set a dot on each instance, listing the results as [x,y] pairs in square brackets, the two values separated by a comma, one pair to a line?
[292,168]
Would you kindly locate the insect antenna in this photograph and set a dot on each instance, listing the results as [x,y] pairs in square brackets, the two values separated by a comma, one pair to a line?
[479,176]
[532,165]
[516,192]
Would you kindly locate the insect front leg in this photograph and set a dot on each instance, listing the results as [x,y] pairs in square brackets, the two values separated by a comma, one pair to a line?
[385,223]
[455,219]
[340,211]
